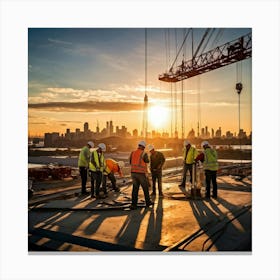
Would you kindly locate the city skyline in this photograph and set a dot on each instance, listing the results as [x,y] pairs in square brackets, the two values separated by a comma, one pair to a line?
[121,130]
[96,73]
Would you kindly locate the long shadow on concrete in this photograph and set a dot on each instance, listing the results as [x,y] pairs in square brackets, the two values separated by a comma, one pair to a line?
[220,230]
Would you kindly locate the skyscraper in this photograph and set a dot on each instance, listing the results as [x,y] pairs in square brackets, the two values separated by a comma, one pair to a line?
[85,126]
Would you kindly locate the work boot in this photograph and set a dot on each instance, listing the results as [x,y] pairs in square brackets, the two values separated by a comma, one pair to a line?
[151,203]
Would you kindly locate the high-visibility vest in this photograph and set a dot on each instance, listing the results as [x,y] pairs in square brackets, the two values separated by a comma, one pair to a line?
[192,154]
[112,166]
[96,162]
[84,157]
[137,163]
[210,160]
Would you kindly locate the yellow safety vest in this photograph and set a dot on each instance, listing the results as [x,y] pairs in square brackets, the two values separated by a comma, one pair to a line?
[97,163]
[192,154]
[210,160]
[84,157]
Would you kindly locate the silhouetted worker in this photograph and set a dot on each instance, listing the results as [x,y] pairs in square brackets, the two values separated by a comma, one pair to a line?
[112,167]
[189,155]
[210,165]
[96,168]
[83,164]
[138,160]
[157,160]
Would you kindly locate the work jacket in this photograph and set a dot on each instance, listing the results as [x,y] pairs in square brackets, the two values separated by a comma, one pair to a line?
[112,166]
[97,162]
[157,160]
[84,157]
[210,160]
[189,158]
[138,160]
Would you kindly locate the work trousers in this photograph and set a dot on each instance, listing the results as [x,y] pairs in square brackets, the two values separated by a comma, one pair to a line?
[113,180]
[96,179]
[137,180]
[83,173]
[157,177]
[211,176]
[187,167]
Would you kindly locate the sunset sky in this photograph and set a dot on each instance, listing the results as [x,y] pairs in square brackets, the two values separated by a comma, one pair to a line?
[96,75]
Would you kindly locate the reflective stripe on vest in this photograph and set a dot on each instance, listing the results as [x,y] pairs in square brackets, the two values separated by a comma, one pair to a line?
[137,163]
[192,154]
[210,160]
[84,157]
[99,162]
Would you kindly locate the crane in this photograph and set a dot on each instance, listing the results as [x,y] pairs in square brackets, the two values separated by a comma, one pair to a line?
[228,53]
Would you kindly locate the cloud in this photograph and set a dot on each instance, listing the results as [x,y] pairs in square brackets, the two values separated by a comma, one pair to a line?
[59,41]
[89,106]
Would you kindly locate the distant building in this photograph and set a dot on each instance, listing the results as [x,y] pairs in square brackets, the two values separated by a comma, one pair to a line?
[85,127]
[218,133]
[191,134]
[51,138]
[135,133]
[229,135]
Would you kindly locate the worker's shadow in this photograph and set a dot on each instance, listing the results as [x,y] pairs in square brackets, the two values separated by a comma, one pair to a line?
[210,215]
[129,231]
[153,234]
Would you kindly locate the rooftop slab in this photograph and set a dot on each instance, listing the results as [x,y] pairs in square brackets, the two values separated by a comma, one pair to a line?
[176,222]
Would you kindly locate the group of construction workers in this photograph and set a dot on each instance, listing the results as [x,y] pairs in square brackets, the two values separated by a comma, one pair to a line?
[92,162]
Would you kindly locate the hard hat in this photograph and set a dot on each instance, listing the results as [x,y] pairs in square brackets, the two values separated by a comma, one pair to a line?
[150,147]
[91,144]
[142,143]
[102,146]
[186,143]
[121,164]
[204,143]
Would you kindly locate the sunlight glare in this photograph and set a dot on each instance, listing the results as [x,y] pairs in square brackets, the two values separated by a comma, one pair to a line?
[158,116]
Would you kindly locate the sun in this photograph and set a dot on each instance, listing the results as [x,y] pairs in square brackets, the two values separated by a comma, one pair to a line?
[158,116]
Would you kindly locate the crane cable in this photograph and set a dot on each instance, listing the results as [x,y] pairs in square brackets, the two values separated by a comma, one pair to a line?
[167,46]
[175,97]
[239,87]
[210,36]
[186,36]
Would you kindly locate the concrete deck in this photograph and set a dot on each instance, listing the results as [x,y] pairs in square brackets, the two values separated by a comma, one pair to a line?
[69,222]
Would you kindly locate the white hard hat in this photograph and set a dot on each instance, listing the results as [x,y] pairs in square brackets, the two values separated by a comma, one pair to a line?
[142,143]
[150,147]
[91,144]
[186,143]
[121,164]
[102,146]
[204,143]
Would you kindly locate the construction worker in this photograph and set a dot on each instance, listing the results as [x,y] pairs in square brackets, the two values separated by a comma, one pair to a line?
[210,165]
[96,168]
[138,160]
[157,160]
[189,155]
[83,164]
[112,167]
